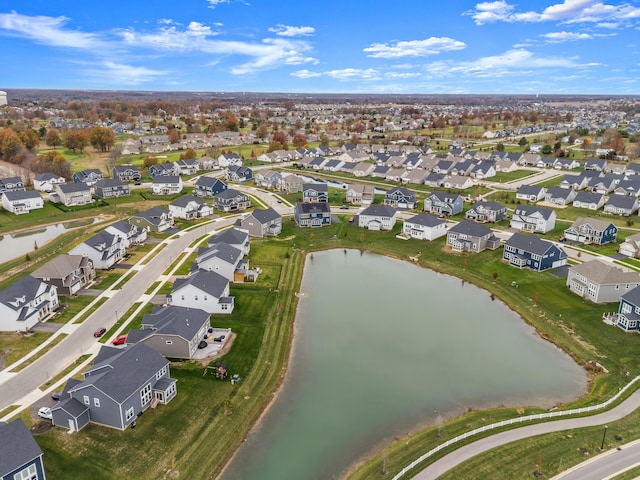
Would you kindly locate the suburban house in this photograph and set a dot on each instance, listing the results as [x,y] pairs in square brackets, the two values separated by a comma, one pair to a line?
[25,303]
[232,236]
[424,227]
[227,159]
[363,169]
[628,187]
[187,166]
[530,193]
[224,259]
[435,179]
[130,234]
[415,177]
[575,182]
[168,169]
[377,217]
[72,194]
[600,281]
[189,207]
[529,218]
[261,223]
[172,331]
[589,200]
[468,236]
[596,165]
[291,184]
[22,201]
[360,194]
[628,315]
[559,196]
[166,185]
[209,186]
[231,200]
[315,193]
[126,173]
[46,182]
[624,205]
[120,385]
[206,290]
[401,198]
[591,230]
[442,203]
[458,182]
[238,173]
[154,220]
[104,249]
[207,163]
[604,184]
[267,178]
[631,246]
[533,252]
[68,273]
[88,177]
[486,211]
[312,214]
[20,455]
[110,188]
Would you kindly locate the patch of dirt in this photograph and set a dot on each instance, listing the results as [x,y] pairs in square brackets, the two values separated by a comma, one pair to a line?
[227,346]
[40,426]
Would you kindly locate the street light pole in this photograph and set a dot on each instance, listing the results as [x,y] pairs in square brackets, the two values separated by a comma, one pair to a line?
[603,437]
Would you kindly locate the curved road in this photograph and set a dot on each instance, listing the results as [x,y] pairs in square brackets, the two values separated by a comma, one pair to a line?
[466,452]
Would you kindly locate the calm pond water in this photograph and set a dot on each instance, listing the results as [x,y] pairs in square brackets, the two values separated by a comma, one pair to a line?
[19,244]
[383,346]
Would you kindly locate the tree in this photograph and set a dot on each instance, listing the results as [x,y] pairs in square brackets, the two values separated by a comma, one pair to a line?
[324,140]
[76,140]
[53,138]
[500,147]
[299,140]
[42,131]
[174,135]
[523,141]
[546,149]
[53,162]
[279,141]
[102,138]
[188,154]
[29,138]
[150,161]
[614,140]
[262,131]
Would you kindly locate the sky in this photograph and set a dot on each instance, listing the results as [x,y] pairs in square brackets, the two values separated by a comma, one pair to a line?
[329,46]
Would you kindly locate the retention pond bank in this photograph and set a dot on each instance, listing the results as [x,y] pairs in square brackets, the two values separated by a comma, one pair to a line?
[383,346]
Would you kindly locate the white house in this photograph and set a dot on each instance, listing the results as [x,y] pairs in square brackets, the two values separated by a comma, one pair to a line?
[208,291]
[377,217]
[22,201]
[424,227]
[25,303]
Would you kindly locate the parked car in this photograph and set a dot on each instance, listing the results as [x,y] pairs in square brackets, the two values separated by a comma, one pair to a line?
[56,395]
[99,332]
[121,340]
[45,412]
[202,344]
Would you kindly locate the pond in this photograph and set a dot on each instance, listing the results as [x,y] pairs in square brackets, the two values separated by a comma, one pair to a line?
[383,346]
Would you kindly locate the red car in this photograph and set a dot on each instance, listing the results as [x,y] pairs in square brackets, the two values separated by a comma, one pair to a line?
[99,332]
[121,340]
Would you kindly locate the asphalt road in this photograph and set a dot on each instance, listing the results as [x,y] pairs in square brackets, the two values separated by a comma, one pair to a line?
[79,342]
[462,454]
[606,465]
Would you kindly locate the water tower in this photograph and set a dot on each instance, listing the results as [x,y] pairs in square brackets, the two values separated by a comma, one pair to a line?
[3,98]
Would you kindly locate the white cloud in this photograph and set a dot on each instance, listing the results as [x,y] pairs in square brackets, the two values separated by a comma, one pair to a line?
[117,73]
[49,31]
[569,11]
[215,3]
[402,75]
[414,48]
[305,74]
[289,31]
[561,37]
[346,74]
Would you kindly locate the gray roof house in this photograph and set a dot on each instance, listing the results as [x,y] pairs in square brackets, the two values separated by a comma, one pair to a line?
[624,205]
[443,203]
[172,331]
[22,201]
[530,218]
[166,185]
[25,303]
[231,200]
[360,194]
[130,234]
[120,385]
[72,194]
[155,219]
[45,182]
[189,207]
[20,455]
[559,196]
[222,258]
[424,227]
[233,236]
[468,236]
[631,246]
[530,193]
[68,273]
[89,176]
[261,223]
[111,188]
[104,249]
[600,281]
[208,291]
[589,200]
[377,217]
[486,211]
[126,173]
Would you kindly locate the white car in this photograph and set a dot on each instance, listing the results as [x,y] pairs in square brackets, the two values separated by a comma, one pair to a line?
[45,412]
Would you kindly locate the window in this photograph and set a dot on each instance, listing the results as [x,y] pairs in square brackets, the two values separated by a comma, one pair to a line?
[86,400]
[195,298]
[96,402]
[169,342]
[161,373]
[129,414]
[181,297]
[224,306]
[145,395]
[29,473]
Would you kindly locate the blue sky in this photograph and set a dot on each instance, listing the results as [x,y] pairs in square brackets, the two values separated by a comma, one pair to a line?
[368,46]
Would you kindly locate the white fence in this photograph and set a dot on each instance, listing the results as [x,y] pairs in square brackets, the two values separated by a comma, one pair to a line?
[537,416]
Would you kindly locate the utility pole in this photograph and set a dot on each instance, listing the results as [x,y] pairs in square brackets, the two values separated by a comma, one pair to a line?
[603,437]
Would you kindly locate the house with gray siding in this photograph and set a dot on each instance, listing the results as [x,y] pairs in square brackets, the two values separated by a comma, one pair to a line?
[72,194]
[68,273]
[468,236]
[600,281]
[120,385]
[486,212]
[111,188]
[231,200]
[155,220]
[443,203]
[261,223]
[126,173]
[172,331]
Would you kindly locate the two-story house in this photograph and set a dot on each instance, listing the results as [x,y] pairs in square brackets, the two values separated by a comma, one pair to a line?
[401,198]
[89,176]
[166,185]
[189,207]
[68,273]
[155,220]
[22,201]
[468,236]
[600,281]
[46,182]
[530,193]
[312,214]
[111,188]
[208,186]
[261,223]
[238,173]
[591,230]
[443,203]
[20,455]
[167,169]
[25,303]
[231,200]
[104,249]
[130,234]
[315,193]
[72,194]
[424,227]
[529,218]
[126,173]
[206,290]
[377,217]
[360,194]
[531,251]
[486,212]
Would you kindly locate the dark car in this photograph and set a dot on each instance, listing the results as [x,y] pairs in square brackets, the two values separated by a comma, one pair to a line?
[99,332]
[344,207]
[121,340]
[56,395]
[219,339]
[202,344]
